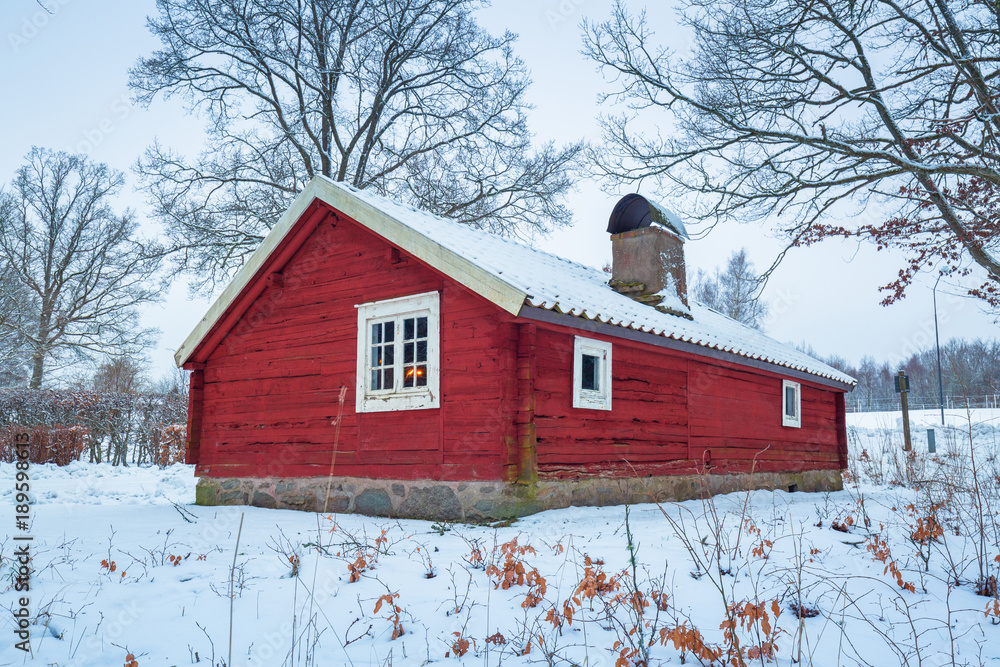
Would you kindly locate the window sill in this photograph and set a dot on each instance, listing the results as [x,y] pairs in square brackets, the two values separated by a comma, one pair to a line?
[398,402]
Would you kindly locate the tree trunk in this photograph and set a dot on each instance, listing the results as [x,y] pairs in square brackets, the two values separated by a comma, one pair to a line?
[40,351]
[37,367]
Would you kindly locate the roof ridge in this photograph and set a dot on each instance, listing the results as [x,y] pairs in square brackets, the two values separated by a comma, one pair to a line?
[505,271]
[368,194]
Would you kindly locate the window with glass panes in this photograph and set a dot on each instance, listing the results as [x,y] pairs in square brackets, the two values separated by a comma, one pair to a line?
[591,374]
[383,355]
[415,352]
[590,379]
[791,414]
[398,353]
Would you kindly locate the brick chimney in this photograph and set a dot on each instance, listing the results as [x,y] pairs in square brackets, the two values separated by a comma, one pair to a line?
[647,247]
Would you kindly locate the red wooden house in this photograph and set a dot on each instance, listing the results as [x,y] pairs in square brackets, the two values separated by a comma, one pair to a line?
[476,377]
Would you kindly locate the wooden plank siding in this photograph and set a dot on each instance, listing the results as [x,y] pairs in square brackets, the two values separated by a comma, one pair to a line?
[271,387]
[196,396]
[672,412]
[265,391]
[645,430]
[736,422]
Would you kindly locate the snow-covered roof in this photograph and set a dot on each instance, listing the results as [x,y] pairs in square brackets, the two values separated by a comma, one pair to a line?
[513,275]
[672,220]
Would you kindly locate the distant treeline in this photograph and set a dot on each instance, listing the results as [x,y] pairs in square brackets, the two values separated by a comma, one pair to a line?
[970,372]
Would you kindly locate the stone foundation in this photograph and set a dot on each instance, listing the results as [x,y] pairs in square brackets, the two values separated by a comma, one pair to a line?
[478,501]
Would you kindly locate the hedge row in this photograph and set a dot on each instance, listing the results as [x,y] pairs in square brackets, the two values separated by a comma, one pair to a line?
[120,428]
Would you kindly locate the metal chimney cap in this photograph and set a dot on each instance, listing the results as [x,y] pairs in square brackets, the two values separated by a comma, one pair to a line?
[633,211]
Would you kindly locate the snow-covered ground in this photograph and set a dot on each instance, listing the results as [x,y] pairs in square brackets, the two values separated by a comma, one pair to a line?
[881,593]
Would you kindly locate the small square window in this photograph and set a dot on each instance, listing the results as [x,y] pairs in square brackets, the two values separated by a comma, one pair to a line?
[591,374]
[398,354]
[791,414]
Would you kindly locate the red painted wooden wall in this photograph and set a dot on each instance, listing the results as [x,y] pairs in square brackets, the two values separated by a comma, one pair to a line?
[674,412]
[267,394]
[271,388]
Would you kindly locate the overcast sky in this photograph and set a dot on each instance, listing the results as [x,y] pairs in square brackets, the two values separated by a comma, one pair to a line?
[66,77]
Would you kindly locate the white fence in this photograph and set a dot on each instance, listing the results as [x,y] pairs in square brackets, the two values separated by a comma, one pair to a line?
[859,404]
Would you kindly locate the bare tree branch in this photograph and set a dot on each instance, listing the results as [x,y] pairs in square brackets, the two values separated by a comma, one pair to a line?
[733,290]
[411,98]
[75,263]
[799,108]
[16,310]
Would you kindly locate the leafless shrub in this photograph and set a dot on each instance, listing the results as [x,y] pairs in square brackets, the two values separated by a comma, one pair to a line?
[60,445]
[120,428]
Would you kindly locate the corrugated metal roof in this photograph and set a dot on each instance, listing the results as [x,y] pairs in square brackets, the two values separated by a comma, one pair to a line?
[558,284]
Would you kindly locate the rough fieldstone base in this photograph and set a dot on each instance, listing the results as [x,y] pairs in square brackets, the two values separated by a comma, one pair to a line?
[476,501]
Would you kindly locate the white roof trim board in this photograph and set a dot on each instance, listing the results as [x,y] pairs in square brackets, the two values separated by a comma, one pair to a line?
[511,275]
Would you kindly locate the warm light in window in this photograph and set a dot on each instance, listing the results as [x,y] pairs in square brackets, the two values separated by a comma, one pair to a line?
[398,356]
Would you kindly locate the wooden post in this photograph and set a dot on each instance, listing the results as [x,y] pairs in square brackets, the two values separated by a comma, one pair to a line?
[196,396]
[841,407]
[904,390]
[528,454]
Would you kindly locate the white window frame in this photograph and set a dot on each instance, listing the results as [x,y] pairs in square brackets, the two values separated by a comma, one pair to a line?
[399,398]
[796,421]
[599,399]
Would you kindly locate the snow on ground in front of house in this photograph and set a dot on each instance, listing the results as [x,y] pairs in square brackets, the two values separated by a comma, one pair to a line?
[104,484]
[775,550]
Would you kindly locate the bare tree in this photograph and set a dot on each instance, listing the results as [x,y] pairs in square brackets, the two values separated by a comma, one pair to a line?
[733,290]
[15,311]
[80,262]
[173,381]
[971,373]
[879,114]
[120,375]
[411,98]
